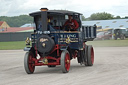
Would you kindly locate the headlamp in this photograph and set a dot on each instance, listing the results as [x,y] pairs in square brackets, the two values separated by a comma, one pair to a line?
[27,41]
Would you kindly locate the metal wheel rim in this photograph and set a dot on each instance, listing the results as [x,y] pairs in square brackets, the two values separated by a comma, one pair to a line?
[92,55]
[67,62]
[31,63]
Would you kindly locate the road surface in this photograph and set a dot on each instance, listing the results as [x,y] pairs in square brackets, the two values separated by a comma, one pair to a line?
[110,68]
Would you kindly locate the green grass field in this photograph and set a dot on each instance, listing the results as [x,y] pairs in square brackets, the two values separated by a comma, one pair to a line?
[12,45]
[102,43]
[109,43]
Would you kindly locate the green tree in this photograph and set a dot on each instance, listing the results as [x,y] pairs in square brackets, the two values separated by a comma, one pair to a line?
[117,17]
[17,21]
[83,18]
[101,16]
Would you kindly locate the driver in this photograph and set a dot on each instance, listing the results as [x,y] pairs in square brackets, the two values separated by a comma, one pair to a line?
[71,24]
[50,27]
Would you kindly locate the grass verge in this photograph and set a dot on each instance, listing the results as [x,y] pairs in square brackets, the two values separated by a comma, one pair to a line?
[109,43]
[12,45]
[102,43]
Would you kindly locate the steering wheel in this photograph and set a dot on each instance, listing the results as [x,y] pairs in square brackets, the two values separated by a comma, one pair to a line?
[69,27]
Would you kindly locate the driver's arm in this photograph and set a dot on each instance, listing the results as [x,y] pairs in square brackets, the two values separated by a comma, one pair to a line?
[76,24]
[66,23]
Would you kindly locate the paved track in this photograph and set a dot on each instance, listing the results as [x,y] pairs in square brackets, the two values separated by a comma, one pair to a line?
[110,68]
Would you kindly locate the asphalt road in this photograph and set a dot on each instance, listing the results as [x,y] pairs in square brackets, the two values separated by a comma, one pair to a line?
[110,68]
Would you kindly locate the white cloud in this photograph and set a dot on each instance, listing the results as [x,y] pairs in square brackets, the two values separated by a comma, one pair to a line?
[87,7]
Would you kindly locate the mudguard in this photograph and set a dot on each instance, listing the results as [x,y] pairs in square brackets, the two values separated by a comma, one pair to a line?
[63,47]
[27,48]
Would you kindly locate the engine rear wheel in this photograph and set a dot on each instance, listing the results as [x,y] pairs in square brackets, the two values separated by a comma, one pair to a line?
[89,56]
[65,61]
[29,63]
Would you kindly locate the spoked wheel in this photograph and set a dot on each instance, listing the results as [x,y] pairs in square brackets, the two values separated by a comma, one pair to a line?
[89,54]
[29,63]
[65,61]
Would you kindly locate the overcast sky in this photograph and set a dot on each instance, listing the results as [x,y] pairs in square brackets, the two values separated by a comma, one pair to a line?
[86,7]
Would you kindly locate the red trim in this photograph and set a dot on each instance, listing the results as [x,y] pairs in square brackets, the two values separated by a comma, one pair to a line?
[67,62]
[57,47]
[57,59]
[37,63]
[40,64]
[36,50]
[92,55]
[56,62]
[75,55]
[31,65]
[58,54]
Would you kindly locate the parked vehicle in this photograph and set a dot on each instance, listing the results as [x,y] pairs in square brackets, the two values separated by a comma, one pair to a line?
[121,33]
[58,46]
[104,36]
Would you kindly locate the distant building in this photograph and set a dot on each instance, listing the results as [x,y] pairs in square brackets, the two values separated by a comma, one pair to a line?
[3,26]
[114,23]
[18,29]
[27,25]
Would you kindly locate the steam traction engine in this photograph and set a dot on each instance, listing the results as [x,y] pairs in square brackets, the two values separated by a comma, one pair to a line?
[52,45]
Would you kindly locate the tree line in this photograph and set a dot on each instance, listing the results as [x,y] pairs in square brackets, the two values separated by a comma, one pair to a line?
[102,16]
[17,21]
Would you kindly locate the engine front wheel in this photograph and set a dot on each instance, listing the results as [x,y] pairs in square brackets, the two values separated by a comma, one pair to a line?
[29,63]
[65,61]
